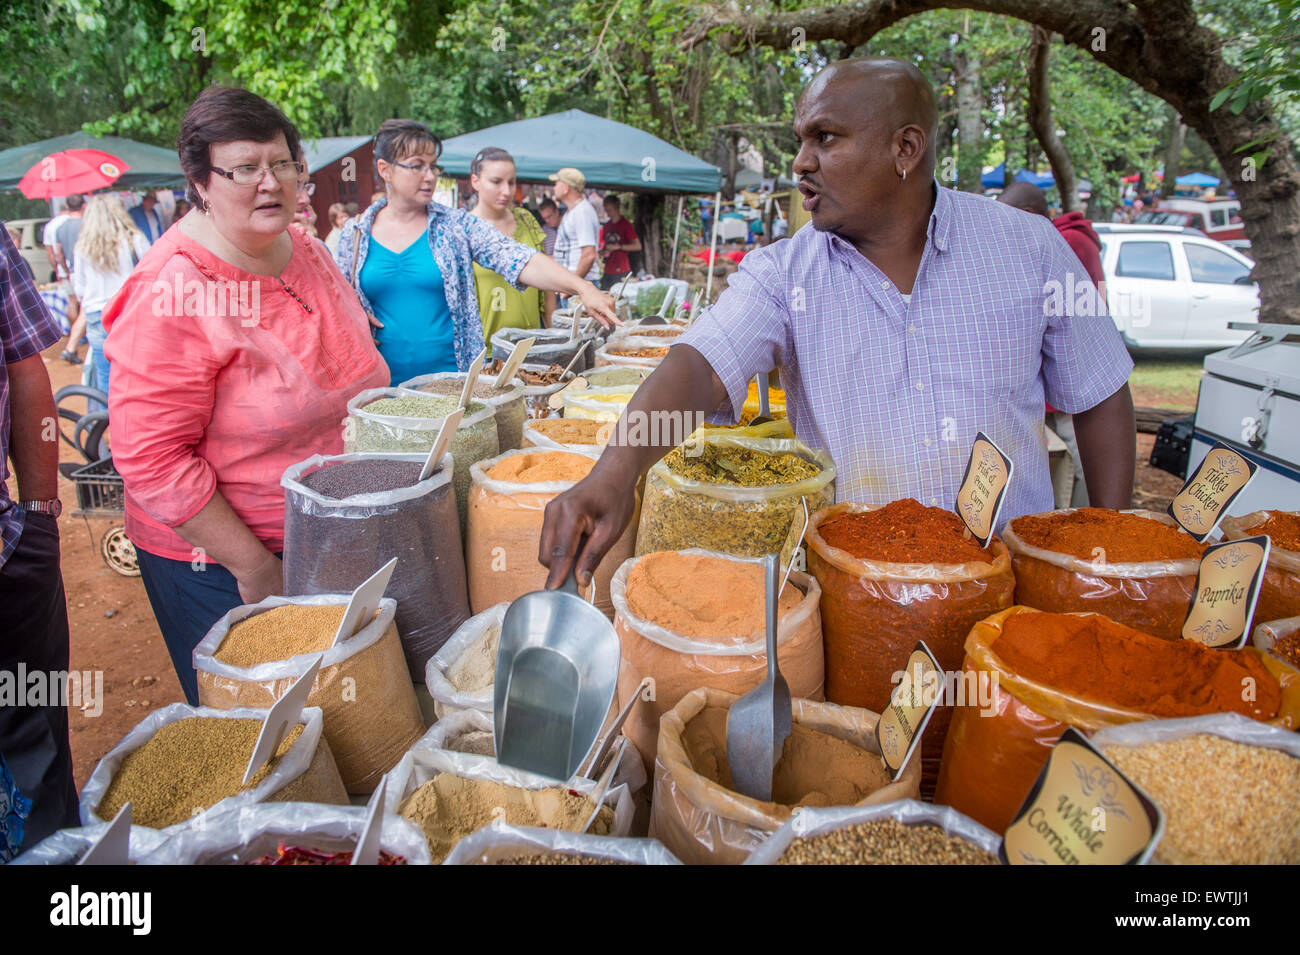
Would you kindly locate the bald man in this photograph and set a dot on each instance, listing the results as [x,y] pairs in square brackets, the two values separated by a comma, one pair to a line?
[907,319]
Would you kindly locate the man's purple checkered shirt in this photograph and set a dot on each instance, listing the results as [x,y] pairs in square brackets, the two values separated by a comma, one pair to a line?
[895,390]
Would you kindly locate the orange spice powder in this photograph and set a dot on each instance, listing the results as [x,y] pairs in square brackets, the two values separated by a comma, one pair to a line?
[904,532]
[1283,527]
[1126,538]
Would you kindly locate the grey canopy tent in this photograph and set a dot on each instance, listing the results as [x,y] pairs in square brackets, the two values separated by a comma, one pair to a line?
[610,154]
[150,165]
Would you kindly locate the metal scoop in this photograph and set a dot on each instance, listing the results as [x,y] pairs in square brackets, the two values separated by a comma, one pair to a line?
[760,721]
[764,415]
[557,668]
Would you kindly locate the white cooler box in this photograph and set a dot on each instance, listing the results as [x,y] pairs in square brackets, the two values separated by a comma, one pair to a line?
[1250,400]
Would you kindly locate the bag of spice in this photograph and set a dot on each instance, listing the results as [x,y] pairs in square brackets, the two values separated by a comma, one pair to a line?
[527,845]
[348,515]
[1279,593]
[461,674]
[434,789]
[1226,784]
[616,376]
[632,352]
[184,765]
[696,618]
[600,404]
[734,495]
[906,832]
[1029,675]
[552,346]
[506,509]
[253,654]
[505,399]
[891,576]
[252,833]
[1280,639]
[581,435]
[67,846]
[540,382]
[1136,567]
[396,420]
[829,759]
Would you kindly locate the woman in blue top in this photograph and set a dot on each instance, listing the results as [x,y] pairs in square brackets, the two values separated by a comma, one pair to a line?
[411,261]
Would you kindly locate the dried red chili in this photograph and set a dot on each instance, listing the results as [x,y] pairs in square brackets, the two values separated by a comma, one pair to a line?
[301,855]
[1288,648]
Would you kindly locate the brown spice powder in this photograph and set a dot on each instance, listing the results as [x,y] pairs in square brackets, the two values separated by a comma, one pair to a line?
[905,532]
[574,430]
[1283,527]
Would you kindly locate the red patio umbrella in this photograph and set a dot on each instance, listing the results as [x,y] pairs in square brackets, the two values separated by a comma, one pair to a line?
[71,171]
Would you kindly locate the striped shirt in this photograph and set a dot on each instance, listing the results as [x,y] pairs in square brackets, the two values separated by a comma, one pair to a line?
[896,389]
[26,328]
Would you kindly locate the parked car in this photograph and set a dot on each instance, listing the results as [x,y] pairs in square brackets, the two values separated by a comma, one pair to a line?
[1218,218]
[30,246]
[1170,287]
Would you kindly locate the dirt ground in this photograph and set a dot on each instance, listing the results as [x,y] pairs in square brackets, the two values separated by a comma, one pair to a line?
[113,628]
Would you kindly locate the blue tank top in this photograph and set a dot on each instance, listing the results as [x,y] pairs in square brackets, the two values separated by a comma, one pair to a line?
[407,293]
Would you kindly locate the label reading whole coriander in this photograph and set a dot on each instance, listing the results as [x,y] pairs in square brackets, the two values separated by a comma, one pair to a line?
[1082,811]
[1210,490]
[1227,589]
[983,488]
[899,729]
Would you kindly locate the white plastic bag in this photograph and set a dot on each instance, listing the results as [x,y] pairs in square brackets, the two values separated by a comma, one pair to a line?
[1267,634]
[291,765]
[508,406]
[910,812]
[446,698]
[615,352]
[67,846]
[502,841]
[603,403]
[243,835]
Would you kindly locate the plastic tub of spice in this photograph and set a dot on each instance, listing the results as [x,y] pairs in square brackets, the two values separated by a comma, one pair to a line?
[397,420]
[696,618]
[184,765]
[552,347]
[1279,593]
[830,759]
[906,832]
[1226,784]
[523,845]
[1136,567]
[347,515]
[734,495]
[891,576]
[1032,675]
[433,789]
[300,833]
[632,353]
[506,400]
[67,846]
[581,435]
[506,510]
[254,653]
[1281,639]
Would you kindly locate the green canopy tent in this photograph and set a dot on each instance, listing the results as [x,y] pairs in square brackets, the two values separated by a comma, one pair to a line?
[150,165]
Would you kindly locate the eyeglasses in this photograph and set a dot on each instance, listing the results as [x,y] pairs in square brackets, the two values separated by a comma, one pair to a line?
[419,168]
[285,171]
[307,187]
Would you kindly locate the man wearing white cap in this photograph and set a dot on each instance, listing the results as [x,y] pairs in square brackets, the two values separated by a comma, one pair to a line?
[575,244]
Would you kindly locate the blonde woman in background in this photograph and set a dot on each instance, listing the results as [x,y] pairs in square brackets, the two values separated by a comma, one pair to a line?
[107,251]
[337,215]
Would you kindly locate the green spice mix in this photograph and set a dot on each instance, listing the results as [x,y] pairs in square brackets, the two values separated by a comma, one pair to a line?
[744,467]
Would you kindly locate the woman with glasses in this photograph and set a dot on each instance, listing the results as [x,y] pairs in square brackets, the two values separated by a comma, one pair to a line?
[235,347]
[500,304]
[411,261]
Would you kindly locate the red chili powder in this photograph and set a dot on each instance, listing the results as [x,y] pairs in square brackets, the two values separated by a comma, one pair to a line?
[905,532]
[1126,538]
[1104,661]
[1283,527]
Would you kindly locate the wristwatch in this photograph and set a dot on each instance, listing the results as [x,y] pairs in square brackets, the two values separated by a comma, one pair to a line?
[53,508]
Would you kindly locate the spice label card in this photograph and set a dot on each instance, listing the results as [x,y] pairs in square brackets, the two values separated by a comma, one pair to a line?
[1227,589]
[793,541]
[983,488]
[899,729]
[1082,811]
[556,400]
[1211,490]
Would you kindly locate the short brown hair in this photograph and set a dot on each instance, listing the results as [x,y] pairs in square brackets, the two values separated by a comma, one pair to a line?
[403,137]
[225,114]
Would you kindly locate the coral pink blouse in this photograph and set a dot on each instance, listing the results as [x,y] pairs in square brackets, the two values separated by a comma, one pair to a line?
[221,379]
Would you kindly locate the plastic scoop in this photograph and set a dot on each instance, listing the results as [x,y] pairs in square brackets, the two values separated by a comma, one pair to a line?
[764,415]
[576,355]
[760,721]
[557,667]
[606,741]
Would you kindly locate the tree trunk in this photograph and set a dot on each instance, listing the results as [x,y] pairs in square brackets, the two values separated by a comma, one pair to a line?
[1040,119]
[1173,154]
[1157,44]
[970,121]
[646,221]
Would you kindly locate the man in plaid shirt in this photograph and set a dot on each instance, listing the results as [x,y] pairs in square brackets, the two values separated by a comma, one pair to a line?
[907,319]
[37,794]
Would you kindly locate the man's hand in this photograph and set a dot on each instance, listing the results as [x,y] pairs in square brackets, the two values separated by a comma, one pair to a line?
[1107,437]
[583,523]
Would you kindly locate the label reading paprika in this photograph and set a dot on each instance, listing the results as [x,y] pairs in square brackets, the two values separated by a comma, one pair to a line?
[1082,811]
[1210,490]
[983,488]
[899,729]
[1227,588]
